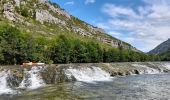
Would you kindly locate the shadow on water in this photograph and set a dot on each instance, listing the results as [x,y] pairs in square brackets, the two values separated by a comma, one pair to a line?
[140,87]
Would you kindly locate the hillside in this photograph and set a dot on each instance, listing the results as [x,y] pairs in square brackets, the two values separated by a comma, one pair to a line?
[38,30]
[42,17]
[162,48]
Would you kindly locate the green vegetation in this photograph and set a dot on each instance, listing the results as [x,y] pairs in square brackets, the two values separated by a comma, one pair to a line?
[165,56]
[17,47]
[24,12]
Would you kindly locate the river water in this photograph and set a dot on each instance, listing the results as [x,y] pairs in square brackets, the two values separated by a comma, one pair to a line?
[137,87]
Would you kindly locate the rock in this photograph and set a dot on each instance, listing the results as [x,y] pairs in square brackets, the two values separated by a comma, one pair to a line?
[8,11]
[136,72]
[50,14]
[43,1]
[81,31]
[59,11]
[17,3]
[120,74]
[45,16]
[55,74]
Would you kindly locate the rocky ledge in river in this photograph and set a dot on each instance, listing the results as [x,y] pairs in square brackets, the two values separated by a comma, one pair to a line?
[52,74]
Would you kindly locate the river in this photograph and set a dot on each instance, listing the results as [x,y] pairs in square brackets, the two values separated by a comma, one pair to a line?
[135,87]
[116,81]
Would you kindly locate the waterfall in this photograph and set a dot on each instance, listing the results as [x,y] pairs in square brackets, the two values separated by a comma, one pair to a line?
[32,78]
[88,74]
[143,69]
[4,85]
[167,66]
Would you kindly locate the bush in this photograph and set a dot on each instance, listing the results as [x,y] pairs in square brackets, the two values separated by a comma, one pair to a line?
[24,12]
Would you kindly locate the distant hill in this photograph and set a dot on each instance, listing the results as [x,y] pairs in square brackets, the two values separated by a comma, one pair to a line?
[162,48]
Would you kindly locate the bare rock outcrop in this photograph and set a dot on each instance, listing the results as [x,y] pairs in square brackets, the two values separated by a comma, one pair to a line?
[8,11]
[81,31]
[44,16]
[58,11]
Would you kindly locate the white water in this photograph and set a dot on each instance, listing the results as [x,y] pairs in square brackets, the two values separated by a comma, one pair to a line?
[145,69]
[89,75]
[32,79]
[4,88]
[167,66]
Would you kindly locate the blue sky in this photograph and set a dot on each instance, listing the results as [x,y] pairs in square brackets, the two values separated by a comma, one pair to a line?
[142,23]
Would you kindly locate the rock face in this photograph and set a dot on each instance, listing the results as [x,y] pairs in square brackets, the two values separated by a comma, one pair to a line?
[24,13]
[162,48]
[43,1]
[59,11]
[9,11]
[45,16]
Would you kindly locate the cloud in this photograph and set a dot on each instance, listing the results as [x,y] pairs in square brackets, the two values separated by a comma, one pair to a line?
[89,1]
[116,34]
[115,11]
[69,3]
[144,26]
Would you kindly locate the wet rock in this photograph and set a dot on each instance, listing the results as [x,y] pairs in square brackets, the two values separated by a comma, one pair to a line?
[136,72]
[128,73]
[113,74]
[55,74]
[120,74]
[166,71]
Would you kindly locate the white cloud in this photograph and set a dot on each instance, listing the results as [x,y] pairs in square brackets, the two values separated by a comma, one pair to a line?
[69,3]
[116,34]
[146,26]
[90,1]
[116,11]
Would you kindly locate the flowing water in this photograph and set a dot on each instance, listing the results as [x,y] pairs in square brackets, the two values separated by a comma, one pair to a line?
[88,75]
[92,84]
[4,87]
[140,87]
[32,79]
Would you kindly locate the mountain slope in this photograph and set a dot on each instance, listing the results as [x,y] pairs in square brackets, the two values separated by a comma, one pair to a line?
[38,30]
[165,56]
[162,48]
[44,18]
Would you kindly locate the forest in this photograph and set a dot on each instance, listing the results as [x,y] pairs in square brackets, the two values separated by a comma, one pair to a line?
[17,47]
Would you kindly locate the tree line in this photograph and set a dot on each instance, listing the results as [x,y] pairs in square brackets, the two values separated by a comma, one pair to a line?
[17,47]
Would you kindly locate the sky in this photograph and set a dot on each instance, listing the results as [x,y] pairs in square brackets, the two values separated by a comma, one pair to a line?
[142,23]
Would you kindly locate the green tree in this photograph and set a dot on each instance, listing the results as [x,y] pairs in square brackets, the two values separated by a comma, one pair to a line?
[10,38]
[61,50]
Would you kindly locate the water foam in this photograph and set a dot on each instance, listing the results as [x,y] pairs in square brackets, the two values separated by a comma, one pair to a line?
[32,79]
[146,70]
[4,87]
[92,74]
[167,66]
